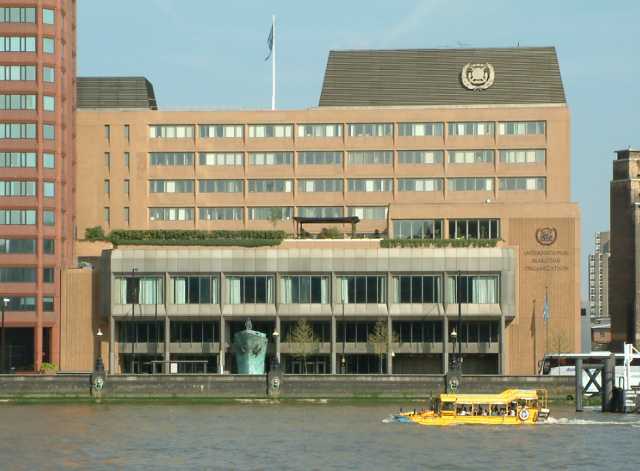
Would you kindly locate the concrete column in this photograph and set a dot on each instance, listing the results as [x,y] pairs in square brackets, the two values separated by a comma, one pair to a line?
[333,345]
[445,345]
[167,343]
[608,383]
[223,343]
[389,344]
[113,358]
[501,355]
[579,407]
[278,338]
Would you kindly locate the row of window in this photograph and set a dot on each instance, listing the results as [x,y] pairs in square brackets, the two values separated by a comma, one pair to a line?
[26,217]
[26,188]
[368,157]
[25,274]
[311,289]
[25,44]
[25,73]
[26,160]
[28,303]
[26,246]
[458,229]
[354,185]
[26,15]
[516,128]
[26,131]
[26,102]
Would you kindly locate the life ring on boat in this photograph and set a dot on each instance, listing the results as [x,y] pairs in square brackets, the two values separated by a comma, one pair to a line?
[523,414]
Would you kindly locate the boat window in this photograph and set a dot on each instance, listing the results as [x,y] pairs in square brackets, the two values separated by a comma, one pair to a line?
[448,406]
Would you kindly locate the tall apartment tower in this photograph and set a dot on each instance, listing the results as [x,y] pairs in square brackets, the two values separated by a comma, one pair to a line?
[599,276]
[624,304]
[37,132]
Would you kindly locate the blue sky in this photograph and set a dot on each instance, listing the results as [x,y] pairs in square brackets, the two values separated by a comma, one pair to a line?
[206,53]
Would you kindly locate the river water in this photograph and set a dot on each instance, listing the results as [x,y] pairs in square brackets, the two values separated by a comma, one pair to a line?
[301,436]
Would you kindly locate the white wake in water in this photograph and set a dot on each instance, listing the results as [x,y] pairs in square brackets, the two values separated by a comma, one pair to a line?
[573,421]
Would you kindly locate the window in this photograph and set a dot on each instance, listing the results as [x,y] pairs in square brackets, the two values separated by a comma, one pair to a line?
[17,15]
[522,128]
[305,289]
[17,72]
[420,129]
[17,131]
[419,184]
[474,229]
[371,130]
[324,185]
[17,275]
[420,157]
[17,44]
[320,158]
[222,158]
[221,186]
[474,289]
[18,159]
[126,187]
[470,184]
[417,289]
[270,130]
[320,212]
[221,214]
[194,332]
[270,213]
[21,303]
[171,214]
[522,184]
[139,290]
[471,129]
[49,131]
[369,212]
[270,186]
[362,289]
[126,158]
[17,188]
[195,290]
[417,229]
[125,214]
[48,45]
[48,303]
[10,246]
[107,160]
[48,74]
[171,186]
[17,102]
[370,186]
[17,217]
[250,289]
[106,215]
[49,103]
[522,156]
[107,187]
[171,131]
[48,275]
[49,246]
[127,132]
[220,131]
[418,331]
[49,189]
[170,159]
[271,158]
[48,16]
[319,130]
[370,157]
[470,156]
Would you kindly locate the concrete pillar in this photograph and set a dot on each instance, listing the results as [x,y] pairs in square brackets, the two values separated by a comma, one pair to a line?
[113,357]
[167,343]
[502,355]
[389,349]
[333,344]
[608,382]
[278,338]
[223,345]
[445,345]
[579,407]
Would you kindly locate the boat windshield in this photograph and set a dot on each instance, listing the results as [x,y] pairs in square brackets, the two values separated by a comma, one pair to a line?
[448,406]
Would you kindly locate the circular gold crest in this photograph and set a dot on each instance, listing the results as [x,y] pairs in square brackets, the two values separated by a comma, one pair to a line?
[546,235]
[477,76]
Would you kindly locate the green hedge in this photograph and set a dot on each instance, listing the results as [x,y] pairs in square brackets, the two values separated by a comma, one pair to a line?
[205,242]
[437,243]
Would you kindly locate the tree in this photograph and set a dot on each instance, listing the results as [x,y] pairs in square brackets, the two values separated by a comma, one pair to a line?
[304,340]
[378,339]
[275,216]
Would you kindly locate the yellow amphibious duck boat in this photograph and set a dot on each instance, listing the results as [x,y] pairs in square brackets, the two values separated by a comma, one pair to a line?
[511,407]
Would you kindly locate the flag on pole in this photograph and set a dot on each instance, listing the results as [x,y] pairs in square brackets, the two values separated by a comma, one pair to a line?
[270,43]
[545,311]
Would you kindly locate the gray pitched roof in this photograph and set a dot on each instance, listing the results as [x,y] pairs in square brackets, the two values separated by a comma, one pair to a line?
[115,92]
[523,75]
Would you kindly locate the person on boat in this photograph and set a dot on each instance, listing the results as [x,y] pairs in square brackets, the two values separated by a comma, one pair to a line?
[512,412]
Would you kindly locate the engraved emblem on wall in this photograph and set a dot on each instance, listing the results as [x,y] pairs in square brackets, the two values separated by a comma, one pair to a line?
[478,76]
[546,235]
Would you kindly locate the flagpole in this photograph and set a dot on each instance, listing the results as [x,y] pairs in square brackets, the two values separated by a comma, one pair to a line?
[273,65]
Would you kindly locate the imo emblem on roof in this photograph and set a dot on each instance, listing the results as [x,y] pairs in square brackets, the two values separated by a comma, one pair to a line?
[478,76]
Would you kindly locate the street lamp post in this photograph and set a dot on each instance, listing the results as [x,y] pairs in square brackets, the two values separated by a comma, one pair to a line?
[135,291]
[4,304]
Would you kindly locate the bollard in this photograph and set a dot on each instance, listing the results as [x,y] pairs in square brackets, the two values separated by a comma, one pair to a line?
[608,382]
[579,390]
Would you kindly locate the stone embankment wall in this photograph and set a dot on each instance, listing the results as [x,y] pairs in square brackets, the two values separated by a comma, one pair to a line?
[244,386]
